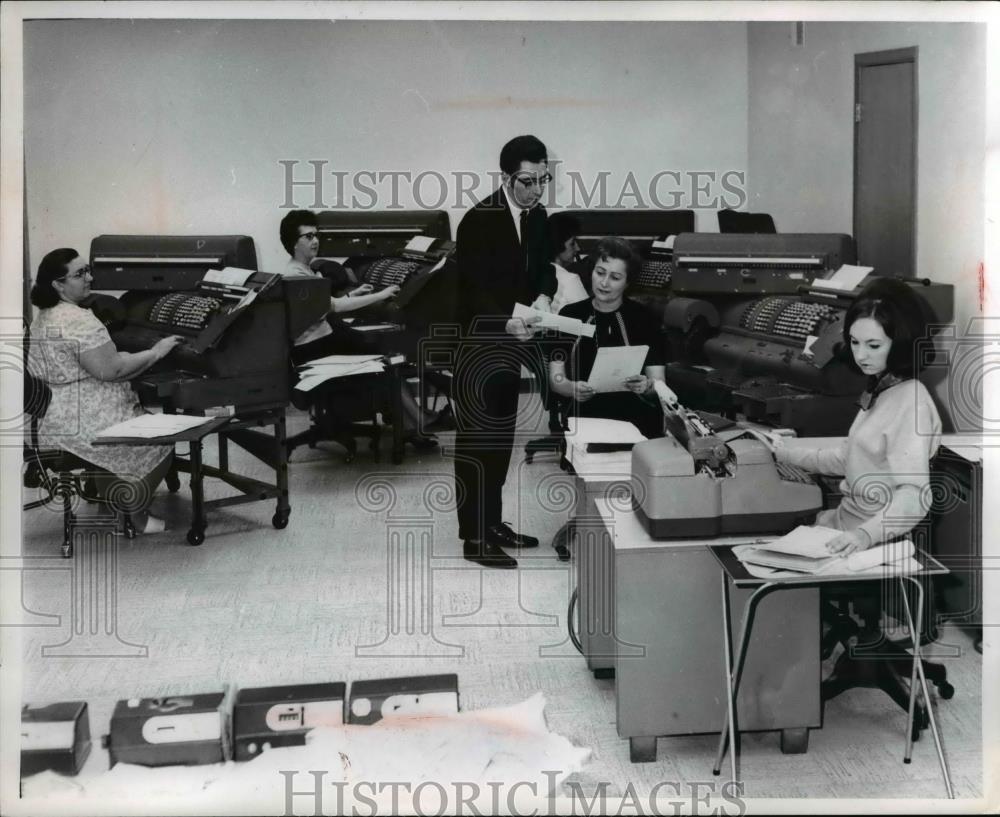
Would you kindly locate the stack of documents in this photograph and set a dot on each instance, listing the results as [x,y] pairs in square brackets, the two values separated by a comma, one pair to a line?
[323,369]
[803,551]
[599,442]
[148,426]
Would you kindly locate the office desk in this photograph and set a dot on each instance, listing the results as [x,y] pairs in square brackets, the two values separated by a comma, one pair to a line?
[240,430]
[736,578]
[668,646]
[592,555]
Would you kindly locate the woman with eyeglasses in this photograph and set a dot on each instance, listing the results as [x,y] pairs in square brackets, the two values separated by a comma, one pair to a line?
[618,322]
[72,352]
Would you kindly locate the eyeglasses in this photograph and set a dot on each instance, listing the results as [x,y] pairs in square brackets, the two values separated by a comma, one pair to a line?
[83,272]
[310,235]
[528,183]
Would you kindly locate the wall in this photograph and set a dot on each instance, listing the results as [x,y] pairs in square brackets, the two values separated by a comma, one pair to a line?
[178,126]
[801,130]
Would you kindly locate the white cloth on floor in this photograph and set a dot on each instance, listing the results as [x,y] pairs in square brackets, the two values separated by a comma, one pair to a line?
[481,751]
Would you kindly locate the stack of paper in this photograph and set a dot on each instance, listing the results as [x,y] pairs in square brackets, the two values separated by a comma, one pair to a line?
[804,551]
[323,369]
[598,442]
[845,279]
[148,426]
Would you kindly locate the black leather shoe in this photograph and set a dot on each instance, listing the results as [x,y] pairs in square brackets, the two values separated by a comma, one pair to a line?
[487,554]
[504,536]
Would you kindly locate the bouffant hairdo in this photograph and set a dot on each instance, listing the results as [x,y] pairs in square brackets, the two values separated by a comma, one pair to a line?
[901,314]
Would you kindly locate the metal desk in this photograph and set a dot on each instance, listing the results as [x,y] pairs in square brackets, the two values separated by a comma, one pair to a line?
[668,651]
[735,577]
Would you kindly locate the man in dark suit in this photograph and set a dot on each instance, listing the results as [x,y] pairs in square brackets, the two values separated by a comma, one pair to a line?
[504,257]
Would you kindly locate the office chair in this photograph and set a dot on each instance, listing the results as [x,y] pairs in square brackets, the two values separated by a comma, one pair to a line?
[341,412]
[870,659]
[59,473]
[733,221]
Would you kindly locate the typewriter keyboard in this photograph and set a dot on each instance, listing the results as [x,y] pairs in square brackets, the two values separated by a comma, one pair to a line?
[389,271]
[655,274]
[182,310]
[792,473]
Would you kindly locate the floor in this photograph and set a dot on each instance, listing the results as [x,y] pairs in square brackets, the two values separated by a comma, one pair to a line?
[318,601]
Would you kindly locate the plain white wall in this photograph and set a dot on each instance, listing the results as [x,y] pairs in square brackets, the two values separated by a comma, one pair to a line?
[178,126]
[801,150]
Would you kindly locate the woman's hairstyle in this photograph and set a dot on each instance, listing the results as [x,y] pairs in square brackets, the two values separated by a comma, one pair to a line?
[290,224]
[522,149]
[901,314]
[562,227]
[614,247]
[53,266]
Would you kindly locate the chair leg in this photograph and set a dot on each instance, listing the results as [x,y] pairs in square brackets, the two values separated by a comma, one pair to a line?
[66,489]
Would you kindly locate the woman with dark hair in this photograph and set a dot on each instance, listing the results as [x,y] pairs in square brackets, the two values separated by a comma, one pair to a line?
[72,352]
[885,459]
[618,322]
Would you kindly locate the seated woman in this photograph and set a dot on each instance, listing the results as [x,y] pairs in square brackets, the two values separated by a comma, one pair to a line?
[72,352]
[886,455]
[618,322]
[330,335]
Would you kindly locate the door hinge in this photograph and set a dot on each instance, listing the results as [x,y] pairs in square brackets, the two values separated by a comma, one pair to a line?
[857,112]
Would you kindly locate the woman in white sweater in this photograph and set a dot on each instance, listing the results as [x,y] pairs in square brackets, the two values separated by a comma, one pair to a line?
[885,459]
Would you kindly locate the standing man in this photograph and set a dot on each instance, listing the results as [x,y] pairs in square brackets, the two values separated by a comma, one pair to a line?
[504,258]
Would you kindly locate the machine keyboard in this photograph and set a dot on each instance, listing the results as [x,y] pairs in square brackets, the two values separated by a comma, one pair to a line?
[655,274]
[792,473]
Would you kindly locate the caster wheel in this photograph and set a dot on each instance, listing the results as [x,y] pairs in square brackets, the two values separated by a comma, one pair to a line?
[349,458]
[128,529]
[195,536]
[945,690]
[67,551]
[280,520]
[173,483]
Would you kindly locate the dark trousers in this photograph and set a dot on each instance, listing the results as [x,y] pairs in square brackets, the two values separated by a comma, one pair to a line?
[485,393]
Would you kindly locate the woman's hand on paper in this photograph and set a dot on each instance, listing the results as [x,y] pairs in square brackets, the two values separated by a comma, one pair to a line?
[523,328]
[848,542]
[582,391]
[638,384]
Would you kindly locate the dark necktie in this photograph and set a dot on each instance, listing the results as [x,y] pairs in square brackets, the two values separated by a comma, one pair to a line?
[524,237]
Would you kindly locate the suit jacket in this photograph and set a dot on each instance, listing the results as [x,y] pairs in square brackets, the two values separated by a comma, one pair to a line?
[494,272]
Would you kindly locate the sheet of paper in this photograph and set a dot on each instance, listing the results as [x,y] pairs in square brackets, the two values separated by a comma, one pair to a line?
[805,540]
[666,244]
[376,327]
[584,430]
[230,276]
[549,320]
[846,278]
[337,360]
[148,426]
[419,243]
[615,363]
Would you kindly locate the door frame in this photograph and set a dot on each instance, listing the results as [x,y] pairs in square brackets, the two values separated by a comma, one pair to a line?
[867,60]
